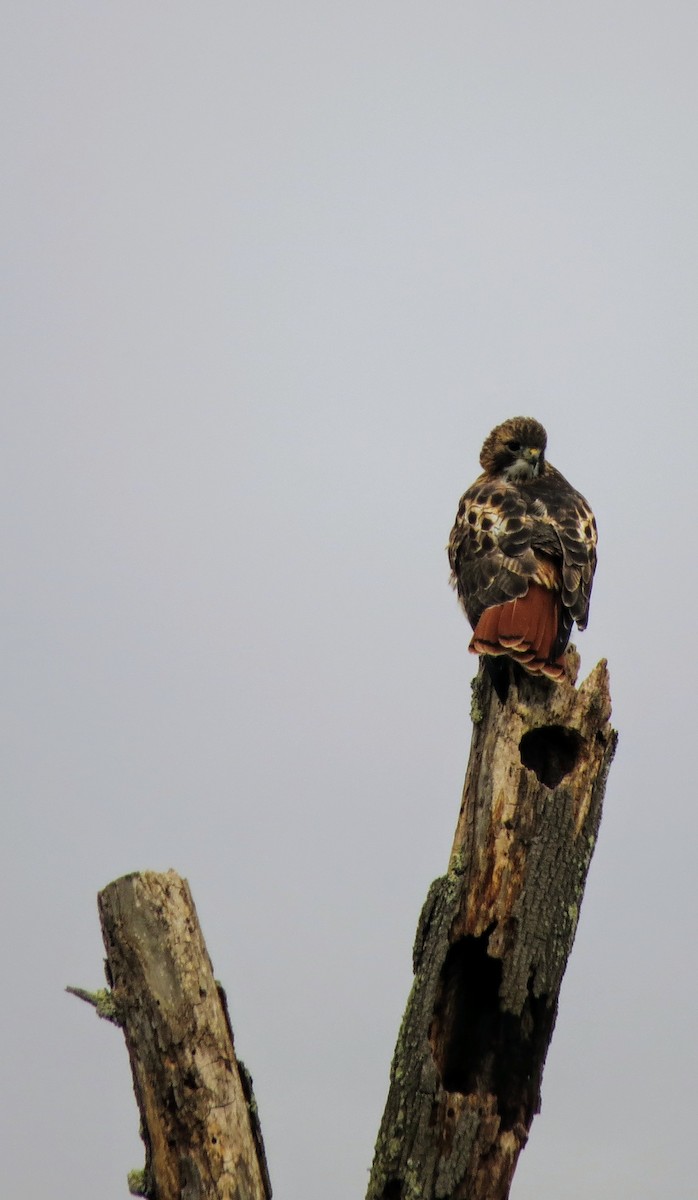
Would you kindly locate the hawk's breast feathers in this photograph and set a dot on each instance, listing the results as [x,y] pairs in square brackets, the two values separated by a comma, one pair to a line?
[523,551]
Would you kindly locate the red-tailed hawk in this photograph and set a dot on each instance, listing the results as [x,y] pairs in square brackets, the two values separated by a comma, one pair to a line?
[522,552]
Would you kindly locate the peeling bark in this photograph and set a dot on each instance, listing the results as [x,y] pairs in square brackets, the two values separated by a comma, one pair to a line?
[198,1116]
[493,942]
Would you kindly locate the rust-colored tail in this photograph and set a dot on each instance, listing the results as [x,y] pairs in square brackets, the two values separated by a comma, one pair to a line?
[525,629]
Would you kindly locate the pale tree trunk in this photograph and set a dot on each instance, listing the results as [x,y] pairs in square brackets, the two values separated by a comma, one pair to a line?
[491,949]
[198,1116]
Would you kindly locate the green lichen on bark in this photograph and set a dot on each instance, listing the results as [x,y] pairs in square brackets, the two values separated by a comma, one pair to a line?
[138,1183]
[477,702]
[102,1001]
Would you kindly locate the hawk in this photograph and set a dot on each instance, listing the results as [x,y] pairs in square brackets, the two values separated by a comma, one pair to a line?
[522,553]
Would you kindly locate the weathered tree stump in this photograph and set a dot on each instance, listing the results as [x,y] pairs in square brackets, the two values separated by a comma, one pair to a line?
[493,941]
[198,1117]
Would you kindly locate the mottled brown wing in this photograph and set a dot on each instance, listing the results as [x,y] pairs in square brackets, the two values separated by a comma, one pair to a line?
[490,547]
[576,529]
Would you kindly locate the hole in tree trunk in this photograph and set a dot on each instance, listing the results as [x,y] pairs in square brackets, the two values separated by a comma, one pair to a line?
[551,751]
[477,1048]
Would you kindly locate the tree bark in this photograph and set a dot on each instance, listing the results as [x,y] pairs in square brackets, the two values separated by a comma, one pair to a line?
[198,1117]
[493,941]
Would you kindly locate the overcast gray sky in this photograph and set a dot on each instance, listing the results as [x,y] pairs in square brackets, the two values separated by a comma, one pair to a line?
[272,272]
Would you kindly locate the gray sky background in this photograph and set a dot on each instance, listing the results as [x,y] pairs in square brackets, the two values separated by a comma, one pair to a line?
[271,274]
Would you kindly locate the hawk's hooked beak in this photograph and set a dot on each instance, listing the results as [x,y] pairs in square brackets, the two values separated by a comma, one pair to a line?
[531,454]
[526,465]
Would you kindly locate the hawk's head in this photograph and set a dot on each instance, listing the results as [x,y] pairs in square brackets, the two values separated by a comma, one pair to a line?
[515,449]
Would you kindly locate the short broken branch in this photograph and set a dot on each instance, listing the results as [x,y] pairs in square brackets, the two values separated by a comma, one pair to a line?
[102,1001]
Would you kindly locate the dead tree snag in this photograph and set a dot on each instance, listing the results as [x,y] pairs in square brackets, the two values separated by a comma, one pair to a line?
[493,941]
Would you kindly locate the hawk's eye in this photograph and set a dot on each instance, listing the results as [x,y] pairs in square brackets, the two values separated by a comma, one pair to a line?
[515,446]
